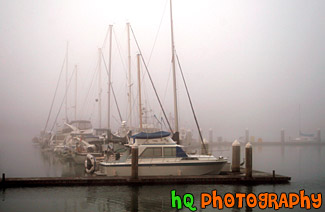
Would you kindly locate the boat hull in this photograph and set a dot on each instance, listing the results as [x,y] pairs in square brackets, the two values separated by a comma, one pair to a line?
[79,158]
[163,169]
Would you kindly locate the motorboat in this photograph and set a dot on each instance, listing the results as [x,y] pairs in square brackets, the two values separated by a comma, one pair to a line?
[159,155]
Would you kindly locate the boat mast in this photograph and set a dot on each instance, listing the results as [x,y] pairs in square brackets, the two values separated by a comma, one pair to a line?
[139,86]
[109,78]
[66,82]
[176,134]
[75,94]
[129,83]
[99,88]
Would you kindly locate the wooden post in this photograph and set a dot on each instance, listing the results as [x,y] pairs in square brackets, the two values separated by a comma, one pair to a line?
[235,165]
[134,165]
[318,135]
[3,180]
[282,136]
[246,135]
[249,159]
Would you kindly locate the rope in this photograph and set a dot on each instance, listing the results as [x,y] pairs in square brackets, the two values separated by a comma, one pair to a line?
[154,44]
[153,86]
[56,89]
[63,100]
[118,109]
[119,51]
[91,83]
[189,98]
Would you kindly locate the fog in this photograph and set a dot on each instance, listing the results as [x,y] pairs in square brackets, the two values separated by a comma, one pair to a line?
[247,64]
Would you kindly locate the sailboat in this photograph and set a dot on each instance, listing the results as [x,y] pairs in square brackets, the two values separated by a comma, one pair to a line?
[306,137]
[158,153]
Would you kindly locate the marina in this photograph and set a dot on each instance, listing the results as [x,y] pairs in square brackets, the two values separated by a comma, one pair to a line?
[161,106]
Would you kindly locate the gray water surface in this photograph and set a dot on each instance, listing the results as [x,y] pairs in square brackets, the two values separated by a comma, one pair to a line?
[305,164]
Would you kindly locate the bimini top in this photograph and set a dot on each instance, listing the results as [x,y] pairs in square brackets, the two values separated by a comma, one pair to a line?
[143,135]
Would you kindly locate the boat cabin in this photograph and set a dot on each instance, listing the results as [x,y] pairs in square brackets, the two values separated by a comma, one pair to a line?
[156,145]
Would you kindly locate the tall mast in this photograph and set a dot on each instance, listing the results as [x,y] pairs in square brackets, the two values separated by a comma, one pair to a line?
[129,83]
[99,88]
[176,134]
[66,82]
[139,86]
[75,94]
[109,77]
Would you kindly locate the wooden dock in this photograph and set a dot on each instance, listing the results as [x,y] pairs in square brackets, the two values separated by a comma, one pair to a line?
[224,178]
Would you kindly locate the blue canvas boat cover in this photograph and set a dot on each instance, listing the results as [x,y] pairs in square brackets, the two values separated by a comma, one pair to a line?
[143,135]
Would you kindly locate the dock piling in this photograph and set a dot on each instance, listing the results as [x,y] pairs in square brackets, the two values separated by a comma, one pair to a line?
[282,136]
[249,159]
[318,135]
[235,164]
[134,166]
[3,180]
[246,135]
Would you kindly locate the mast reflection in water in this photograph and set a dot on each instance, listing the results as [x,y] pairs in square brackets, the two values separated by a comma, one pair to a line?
[305,164]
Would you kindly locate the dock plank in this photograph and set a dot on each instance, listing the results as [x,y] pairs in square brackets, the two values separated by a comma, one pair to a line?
[224,178]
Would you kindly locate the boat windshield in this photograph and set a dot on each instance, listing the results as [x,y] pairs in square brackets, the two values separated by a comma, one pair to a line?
[152,152]
[166,152]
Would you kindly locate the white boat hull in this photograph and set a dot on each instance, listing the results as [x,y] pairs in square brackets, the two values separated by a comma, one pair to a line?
[79,158]
[186,168]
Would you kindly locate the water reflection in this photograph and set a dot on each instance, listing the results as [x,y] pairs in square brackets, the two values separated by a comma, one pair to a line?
[305,164]
[249,189]
[236,189]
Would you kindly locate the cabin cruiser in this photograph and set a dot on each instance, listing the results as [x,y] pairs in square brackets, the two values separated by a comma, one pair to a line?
[159,155]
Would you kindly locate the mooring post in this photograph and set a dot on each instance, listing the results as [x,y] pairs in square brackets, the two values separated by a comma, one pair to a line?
[3,180]
[235,165]
[282,136]
[318,135]
[273,174]
[134,165]
[249,159]
[246,135]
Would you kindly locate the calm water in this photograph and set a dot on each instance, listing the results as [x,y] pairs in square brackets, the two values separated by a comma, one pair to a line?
[305,164]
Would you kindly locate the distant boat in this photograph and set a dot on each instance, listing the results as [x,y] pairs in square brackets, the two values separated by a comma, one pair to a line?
[306,137]
[62,141]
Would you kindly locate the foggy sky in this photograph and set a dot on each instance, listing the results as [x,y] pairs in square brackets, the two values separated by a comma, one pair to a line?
[248,64]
